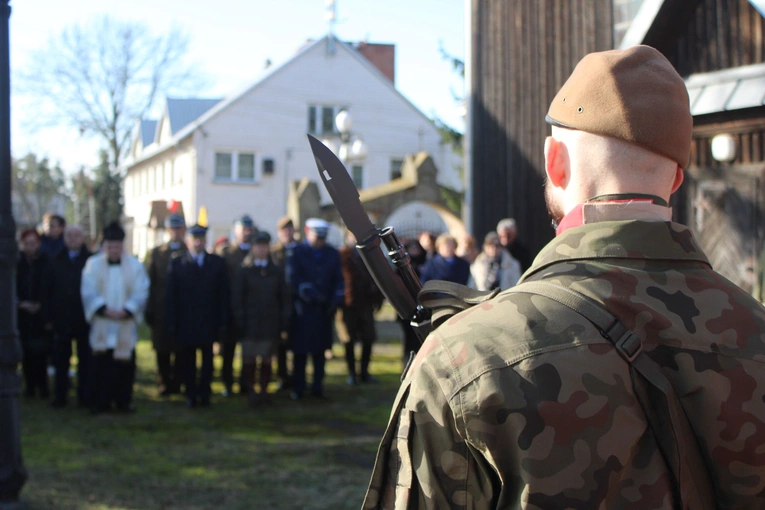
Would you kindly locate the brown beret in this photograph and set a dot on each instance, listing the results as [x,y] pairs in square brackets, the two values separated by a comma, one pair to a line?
[284,222]
[634,95]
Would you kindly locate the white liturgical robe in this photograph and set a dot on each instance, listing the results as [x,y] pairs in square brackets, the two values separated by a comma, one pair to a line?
[123,286]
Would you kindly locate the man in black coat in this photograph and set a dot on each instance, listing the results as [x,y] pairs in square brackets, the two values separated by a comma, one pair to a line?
[197,311]
[66,314]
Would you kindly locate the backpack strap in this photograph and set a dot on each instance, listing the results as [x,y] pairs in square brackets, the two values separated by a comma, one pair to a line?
[661,405]
[446,299]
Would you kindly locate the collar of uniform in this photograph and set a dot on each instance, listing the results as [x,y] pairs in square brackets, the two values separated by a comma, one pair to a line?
[614,208]
[629,239]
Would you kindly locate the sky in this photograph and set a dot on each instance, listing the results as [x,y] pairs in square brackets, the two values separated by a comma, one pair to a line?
[224,34]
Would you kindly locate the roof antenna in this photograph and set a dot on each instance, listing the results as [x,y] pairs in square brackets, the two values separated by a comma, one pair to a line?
[330,15]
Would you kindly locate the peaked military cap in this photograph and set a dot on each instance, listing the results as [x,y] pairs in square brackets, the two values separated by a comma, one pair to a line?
[284,222]
[261,237]
[197,230]
[175,221]
[245,221]
[319,226]
[633,95]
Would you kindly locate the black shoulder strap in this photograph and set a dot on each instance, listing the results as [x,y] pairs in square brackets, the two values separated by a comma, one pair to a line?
[657,397]
[446,299]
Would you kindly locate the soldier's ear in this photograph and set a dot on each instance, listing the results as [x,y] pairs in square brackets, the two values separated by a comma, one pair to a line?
[557,162]
[679,175]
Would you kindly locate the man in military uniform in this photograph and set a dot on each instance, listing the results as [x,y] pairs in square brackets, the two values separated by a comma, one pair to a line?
[281,254]
[521,402]
[244,228]
[157,265]
[197,312]
[317,284]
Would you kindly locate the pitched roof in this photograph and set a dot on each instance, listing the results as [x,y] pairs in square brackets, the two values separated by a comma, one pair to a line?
[729,89]
[220,105]
[182,112]
[148,130]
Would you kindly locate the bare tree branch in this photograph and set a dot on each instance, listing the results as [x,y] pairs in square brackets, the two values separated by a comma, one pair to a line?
[102,76]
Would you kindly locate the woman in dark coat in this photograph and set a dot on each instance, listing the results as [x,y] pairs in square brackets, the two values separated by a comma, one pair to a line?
[261,306]
[34,331]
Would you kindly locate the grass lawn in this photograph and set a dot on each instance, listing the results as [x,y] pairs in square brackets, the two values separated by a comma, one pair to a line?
[291,455]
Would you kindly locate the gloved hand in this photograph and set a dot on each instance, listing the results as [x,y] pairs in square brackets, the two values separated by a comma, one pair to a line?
[308,293]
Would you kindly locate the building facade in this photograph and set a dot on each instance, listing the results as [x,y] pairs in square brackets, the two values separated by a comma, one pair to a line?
[240,154]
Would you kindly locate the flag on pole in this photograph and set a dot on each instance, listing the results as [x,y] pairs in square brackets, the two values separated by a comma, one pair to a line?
[202,216]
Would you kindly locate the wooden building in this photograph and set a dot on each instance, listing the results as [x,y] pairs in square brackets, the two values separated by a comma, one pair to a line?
[520,53]
[523,50]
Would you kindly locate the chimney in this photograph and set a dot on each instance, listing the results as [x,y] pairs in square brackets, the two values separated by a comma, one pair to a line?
[382,56]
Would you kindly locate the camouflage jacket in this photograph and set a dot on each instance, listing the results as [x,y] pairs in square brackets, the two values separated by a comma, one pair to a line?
[521,403]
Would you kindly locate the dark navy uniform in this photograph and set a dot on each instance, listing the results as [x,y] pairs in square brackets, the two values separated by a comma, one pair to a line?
[317,283]
[197,312]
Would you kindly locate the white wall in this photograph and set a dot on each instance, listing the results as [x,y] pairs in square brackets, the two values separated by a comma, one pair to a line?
[272,120]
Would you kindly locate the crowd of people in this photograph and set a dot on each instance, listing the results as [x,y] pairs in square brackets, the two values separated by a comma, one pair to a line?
[268,298]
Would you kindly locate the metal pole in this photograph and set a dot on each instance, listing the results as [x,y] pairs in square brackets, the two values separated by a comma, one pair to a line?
[12,472]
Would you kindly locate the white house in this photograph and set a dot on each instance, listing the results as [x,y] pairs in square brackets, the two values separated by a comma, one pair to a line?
[237,155]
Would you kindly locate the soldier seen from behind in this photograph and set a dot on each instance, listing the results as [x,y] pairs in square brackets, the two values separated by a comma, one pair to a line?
[522,402]
[281,254]
[197,299]
[262,308]
[33,322]
[157,265]
[65,312]
[114,291]
[234,255]
[355,320]
[317,284]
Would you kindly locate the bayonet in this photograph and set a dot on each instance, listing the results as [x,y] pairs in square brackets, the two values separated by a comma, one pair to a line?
[393,273]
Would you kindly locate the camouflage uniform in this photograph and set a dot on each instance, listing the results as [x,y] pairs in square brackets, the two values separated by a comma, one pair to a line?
[521,403]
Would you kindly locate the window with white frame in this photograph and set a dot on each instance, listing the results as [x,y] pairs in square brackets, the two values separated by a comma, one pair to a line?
[160,177]
[321,119]
[236,166]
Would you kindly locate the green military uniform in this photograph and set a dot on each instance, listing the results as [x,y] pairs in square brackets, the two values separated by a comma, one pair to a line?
[157,265]
[521,403]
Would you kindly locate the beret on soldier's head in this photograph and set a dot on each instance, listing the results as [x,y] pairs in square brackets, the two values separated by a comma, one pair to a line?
[633,95]
[245,221]
[175,221]
[197,230]
[114,232]
[284,222]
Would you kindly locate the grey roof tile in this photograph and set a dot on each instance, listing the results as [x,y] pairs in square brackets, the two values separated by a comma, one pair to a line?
[182,112]
[148,130]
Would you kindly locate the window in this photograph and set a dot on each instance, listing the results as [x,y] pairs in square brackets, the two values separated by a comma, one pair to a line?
[357,174]
[223,166]
[327,119]
[246,168]
[236,166]
[395,168]
[624,13]
[160,177]
[321,119]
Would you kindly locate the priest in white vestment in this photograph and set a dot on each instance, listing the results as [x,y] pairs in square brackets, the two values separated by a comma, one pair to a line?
[114,290]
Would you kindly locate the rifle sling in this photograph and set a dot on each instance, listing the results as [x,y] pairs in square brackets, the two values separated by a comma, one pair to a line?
[661,405]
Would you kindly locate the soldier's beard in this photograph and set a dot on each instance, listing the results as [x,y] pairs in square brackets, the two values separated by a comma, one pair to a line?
[554,208]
